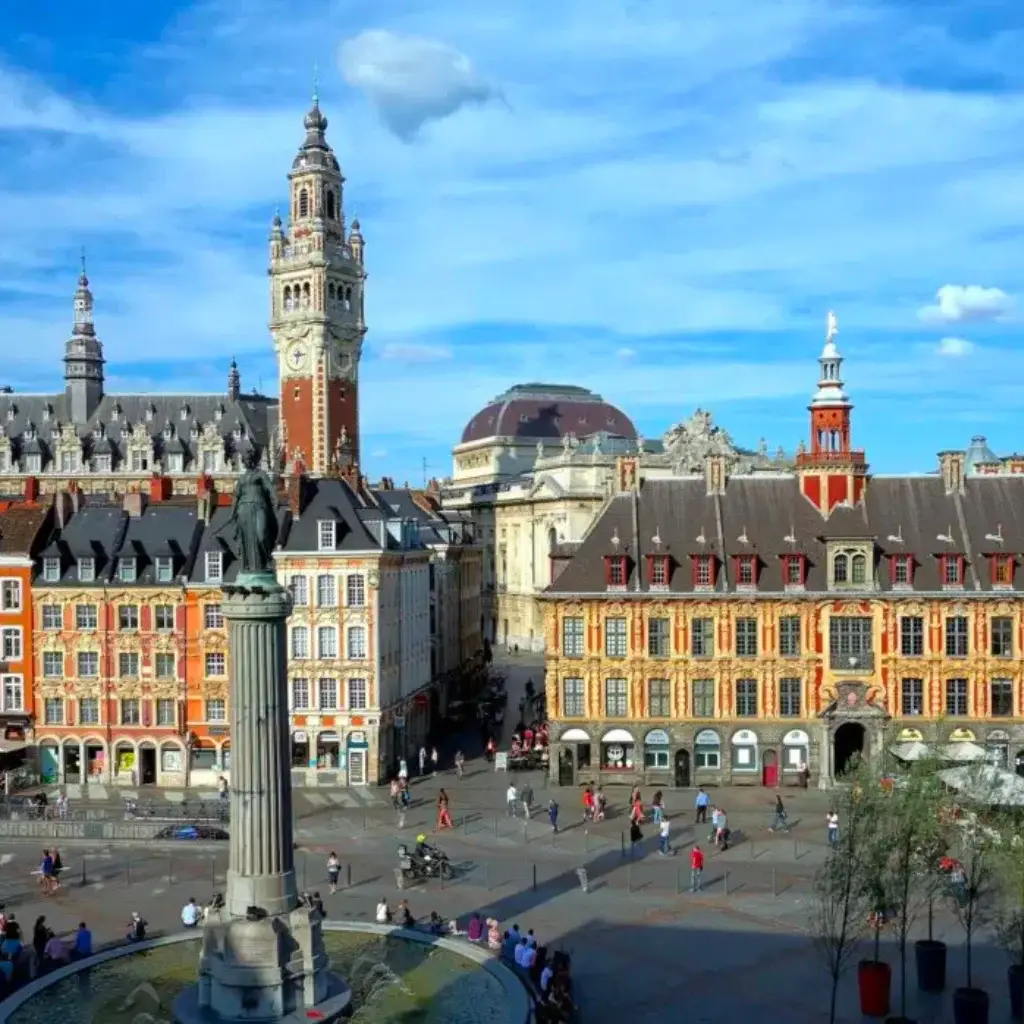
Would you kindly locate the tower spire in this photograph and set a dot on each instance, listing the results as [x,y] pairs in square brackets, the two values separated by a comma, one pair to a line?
[83,356]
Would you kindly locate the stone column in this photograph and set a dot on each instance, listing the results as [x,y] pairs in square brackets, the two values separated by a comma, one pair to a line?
[262,865]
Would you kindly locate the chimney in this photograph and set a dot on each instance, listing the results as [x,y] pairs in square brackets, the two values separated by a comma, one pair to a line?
[160,488]
[62,508]
[76,497]
[135,504]
[627,476]
[31,489]
[296,493]
[951,467]
[714,474]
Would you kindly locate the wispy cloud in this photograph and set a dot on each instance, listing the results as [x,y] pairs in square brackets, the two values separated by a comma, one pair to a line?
[411,353]
[955,347]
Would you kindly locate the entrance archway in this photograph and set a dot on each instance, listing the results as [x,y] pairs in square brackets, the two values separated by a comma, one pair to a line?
[1018,763]
[769,769]
[848,744]
[682,773]
[566,767]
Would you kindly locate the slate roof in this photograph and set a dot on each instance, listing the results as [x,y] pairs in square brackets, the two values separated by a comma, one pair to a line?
[22,528]
[899,515]
[359,522]
[218,536]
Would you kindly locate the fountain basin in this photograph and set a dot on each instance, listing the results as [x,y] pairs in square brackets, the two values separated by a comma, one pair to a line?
[395,975]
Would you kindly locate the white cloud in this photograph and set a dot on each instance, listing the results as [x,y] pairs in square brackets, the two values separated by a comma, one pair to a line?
[411,80]
[407,352]
[626,354]
[955,347]
[958,303]
[379,453]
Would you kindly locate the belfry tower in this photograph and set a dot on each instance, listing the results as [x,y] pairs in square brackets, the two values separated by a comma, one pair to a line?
[316,310]
[83,358]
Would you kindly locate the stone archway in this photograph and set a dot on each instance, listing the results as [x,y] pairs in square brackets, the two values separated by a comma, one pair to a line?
[848,741]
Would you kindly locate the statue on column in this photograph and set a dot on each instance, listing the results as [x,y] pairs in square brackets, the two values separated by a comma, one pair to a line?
[254,518]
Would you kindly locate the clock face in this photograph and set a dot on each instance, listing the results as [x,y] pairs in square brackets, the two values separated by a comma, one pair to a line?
[297,356]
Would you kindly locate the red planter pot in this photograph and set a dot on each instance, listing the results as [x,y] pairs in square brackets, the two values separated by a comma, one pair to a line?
[873,982]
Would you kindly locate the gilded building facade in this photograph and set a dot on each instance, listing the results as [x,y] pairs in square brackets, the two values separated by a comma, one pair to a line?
[721,628]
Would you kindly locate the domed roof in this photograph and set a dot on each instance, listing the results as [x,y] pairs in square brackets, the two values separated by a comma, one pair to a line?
[544,412]
[978,453]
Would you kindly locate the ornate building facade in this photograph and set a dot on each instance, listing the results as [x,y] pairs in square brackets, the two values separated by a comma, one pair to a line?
[734,628]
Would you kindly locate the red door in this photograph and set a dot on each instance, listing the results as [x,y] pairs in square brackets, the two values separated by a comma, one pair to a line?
[769,769]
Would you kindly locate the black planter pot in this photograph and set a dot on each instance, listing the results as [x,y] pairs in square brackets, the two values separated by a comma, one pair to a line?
[930,955]
[900,1020]
[970,1006]
[1015,976]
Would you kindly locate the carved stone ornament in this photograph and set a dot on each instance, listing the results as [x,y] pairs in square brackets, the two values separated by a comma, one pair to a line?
[690,442]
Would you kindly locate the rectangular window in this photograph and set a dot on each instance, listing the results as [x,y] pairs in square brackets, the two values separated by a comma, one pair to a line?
[86,570]
[128,665]
[659,571]
[1002,636]
[572,636]
[703,571]
[217,710]
[357,642]
[659,637]
[746,638]
[10,596]
[300,694]
[299,586]
[1002,570]
[88,664]
[746,698]
[703,698]
[53,711]
[951,574]
[659,698]
[51,570]
[794,570]
[616,642]
[327,694]
[702,641]
[213,616]
[355,587]
[616,570]
[165,713]
[164,569]
[300,642]
[789,636]
[53,617]
[126,570]
[164,665]
[13,693]
[216,664]
[956,697]
[789,698]
[86,616]
[163,618]
[327,642]
[10,643]
[327,530]
[358,695]
[745,571]
[53,664]
[214,566]
[616,698]
[957,636]
[1001,693]
[326,591]
[128,616]
[911,697]
[573,698]
[89,711]
[131,712]
[901,570]
[851,643]
[912,636]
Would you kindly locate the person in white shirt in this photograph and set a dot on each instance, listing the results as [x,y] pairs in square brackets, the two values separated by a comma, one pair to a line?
[521,948]
[383,913]
[511,798]
[529,956]
[663,845]
[191,914]
[545,977]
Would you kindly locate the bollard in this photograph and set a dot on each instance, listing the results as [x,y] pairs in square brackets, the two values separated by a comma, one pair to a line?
[586,840]
[796,850]
[753,856]
[679,880]
[534,877]
[487,876]
[83,870]
[775,887]
[213,872]
[725,882]
[581,874]
[303,870]
[629,877]
[348,876]
[170,871]
[622,842]
[525,837]
[128,871]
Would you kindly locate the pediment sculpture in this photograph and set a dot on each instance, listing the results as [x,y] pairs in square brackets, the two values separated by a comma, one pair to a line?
[691,441]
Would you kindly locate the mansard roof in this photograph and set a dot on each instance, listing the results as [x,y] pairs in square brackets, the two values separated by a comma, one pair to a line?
[768,517]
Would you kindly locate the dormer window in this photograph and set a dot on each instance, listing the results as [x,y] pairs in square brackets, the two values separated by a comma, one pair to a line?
[184,412]
[704,567]
[51,570]
[86,570]
[326,535]
[127,570]
[176,462]
[214,566]
[150,412]
[615,574]
[952,570]
[12,411]
[658,571]
[47,412]
[164,569]
[218,413]
[1002,570]
[115,413]
[794,570]
[746,571]
[901,570]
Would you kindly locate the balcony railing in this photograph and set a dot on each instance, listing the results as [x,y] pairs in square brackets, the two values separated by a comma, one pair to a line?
[842,458]
[863,662]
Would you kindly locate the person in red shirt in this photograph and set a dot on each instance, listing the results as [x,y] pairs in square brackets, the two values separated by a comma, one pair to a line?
[588,804]
[696,867]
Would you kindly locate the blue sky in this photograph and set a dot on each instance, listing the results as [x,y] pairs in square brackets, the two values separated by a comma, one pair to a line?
[657,200]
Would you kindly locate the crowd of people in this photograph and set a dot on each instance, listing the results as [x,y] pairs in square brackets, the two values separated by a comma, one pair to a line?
[21,961]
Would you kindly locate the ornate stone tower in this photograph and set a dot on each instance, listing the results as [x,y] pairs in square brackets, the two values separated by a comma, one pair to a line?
[831,473]
[83,357]
[316,310]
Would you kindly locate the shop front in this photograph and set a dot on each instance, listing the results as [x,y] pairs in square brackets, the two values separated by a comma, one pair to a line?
[796,756]
[573,758]
[707,756]
[618,756]
[658,757]
[358,752]
[744,755]
[997,748]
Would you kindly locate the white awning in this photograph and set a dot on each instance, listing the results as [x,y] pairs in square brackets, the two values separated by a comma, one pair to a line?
[11,746]
[986,784]
[912,751]
[574,736]
[617,736]
[964,752]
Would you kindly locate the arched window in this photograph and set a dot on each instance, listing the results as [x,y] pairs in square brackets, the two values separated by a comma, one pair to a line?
[287,296]
[330,291]
[330,205]
[303,203]
[305,296]
[858,569]
[840,566]
[552,539]
[348,298]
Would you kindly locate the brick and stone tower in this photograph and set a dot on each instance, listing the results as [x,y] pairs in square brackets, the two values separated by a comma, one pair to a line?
[831,472]
[316,310]
[83,358]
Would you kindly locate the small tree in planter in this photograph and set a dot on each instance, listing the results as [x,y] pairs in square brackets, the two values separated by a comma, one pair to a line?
[1008,861]
[842,896]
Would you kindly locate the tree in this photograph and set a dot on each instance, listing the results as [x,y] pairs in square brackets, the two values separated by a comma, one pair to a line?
[911,837]
[972,880]
[842,887]
[1008,865]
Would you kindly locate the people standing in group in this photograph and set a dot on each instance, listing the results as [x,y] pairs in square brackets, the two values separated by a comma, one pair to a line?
[832,823]
[696,867]
[333,871]
[701,804]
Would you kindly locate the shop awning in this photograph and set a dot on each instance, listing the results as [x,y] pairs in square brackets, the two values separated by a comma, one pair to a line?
[617,736]
[12,746]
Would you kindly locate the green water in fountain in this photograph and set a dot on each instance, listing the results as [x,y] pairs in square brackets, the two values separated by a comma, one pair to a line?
[394,981]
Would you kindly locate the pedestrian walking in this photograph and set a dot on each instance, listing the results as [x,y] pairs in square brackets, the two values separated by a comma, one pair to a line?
[423,760]
[696,867]
[715,814]
[663,838]
[403,771]
[526,798]
[222,788]
[511,798]
[832,821]
[460,762]
[433,761]
[395,791]
[635,836]
[333,871]
[701,804]
[657,808]
[553,814]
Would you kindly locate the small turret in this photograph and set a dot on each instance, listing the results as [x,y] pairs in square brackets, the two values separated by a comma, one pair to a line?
[234,382]
[83,357]
[356,243]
